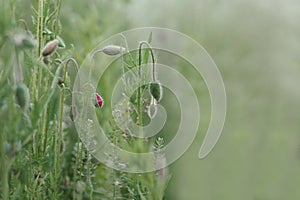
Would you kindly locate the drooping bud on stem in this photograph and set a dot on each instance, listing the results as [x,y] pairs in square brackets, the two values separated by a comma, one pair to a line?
[50,47]
[23,40]
[113,50]
[156,90]
[22,96]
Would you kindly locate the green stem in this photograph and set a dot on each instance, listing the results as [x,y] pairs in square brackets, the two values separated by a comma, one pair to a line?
[45,132]
[45,122]
[58,135]
[152,56]
[139,100]
[77,164]
[19,71]
[3,17]
[140,77]
[13,11]
[4,172]
[40,42]
[89,178]
[113,170]
[140,145]
[5,187]
[37,72]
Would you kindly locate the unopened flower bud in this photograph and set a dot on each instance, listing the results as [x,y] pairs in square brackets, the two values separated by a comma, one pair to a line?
[24,40]
[113,50]
[156,90]
[99,101]
[29,43]
[22,96]
[50,47]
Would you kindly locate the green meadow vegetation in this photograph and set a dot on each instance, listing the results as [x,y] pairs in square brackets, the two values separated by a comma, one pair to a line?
[42,157]
[255,45]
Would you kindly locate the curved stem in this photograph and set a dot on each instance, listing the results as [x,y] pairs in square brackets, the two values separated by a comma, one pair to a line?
[139,73]
[24,23]
[37,73]
[59,135]
[152,56]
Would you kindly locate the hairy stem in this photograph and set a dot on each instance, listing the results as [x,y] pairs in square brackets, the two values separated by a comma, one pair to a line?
[139,100]
[140,77]
[37,72]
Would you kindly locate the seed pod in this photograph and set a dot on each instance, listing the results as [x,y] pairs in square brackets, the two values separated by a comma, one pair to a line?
[50,47]
[22,96]
[99,101]
[156,90]
[113,50]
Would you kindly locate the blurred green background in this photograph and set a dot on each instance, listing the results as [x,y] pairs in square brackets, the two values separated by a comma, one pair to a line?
[256,45]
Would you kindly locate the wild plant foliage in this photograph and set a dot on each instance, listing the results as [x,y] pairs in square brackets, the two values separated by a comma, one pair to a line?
[41,155]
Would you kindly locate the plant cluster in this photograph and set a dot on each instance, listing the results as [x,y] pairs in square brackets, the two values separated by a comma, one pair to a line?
[41,155]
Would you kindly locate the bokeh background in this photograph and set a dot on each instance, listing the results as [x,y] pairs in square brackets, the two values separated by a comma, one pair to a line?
[256,45]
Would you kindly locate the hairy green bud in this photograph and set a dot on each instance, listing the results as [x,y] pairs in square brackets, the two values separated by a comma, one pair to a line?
[22,96]
[156,90]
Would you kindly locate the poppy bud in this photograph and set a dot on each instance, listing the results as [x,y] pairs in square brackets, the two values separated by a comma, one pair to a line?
[24,40]
[22,96]
[50,47]
[28,43]
[113,50]
[99,101]
[156,90]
